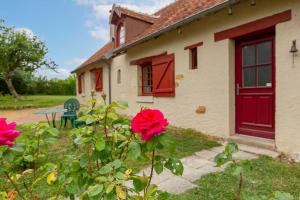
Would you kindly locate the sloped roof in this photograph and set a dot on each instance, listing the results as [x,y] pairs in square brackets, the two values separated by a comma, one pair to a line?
[175,12]
[134,14]
[98,55]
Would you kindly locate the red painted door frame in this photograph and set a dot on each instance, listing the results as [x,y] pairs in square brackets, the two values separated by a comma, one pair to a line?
[255,106]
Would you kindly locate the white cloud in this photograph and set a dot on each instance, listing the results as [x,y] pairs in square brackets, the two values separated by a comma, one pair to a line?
[27,31]
[98,24]
[60,73]
[100,33]
[75,62]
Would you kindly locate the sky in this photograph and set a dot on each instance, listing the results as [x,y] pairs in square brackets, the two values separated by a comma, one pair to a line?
[72,29]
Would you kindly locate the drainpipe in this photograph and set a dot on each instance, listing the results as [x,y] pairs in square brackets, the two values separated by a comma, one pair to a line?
[109,80]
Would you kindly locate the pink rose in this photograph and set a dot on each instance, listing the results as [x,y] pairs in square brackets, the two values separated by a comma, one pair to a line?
[149,123]
[8,133]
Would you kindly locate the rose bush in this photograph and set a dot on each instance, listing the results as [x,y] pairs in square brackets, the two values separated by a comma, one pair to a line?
[8,133]
[149,123]
[21,162]
[104,148]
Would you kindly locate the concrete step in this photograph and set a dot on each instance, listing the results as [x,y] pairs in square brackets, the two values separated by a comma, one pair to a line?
[253,141]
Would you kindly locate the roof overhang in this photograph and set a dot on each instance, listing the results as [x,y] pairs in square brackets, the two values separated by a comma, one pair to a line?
[196,16]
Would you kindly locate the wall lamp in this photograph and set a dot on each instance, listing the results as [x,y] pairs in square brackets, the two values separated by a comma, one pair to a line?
[294,49]
[253,3]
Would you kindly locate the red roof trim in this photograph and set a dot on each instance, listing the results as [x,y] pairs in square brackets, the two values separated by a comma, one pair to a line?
[144,60]
[193,46]
[254,26]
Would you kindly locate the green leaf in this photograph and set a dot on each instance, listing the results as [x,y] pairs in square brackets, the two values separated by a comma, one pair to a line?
[90,119]
[139,182]
[175,166]
[100,144]
[110,188]
[106,169]
[53,131]
[28,158]
[95,190]
[231,148]
[84,159]
[116,164]
[134,150]
[159,167]
[166,142]
[222,158]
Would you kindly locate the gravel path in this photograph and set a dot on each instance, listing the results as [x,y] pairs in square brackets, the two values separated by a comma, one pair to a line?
[26,115]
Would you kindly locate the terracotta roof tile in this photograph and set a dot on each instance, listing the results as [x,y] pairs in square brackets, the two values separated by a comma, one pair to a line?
[98,55]
[138,15]
[170,14]
[175,12]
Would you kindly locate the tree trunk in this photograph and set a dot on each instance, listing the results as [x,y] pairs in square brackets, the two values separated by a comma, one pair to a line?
[12,89]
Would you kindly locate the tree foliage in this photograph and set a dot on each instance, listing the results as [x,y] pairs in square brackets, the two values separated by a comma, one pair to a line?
[20,51]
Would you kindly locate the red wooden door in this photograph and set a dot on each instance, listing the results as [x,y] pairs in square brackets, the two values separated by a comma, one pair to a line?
[255,86]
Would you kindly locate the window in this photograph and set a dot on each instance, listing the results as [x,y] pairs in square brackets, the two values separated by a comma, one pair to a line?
[193,58]
[157,76]
[257,64]
[81,86]
[119,76]
[120,35]
[147,79]
[193,52]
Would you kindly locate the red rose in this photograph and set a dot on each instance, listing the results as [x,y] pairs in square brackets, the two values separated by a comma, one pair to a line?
[8,133]
[149,123]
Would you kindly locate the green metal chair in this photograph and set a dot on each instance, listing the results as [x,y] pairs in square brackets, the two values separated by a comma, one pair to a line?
[72,106]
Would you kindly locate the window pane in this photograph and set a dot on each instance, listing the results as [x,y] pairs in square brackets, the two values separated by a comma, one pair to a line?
[249,55]
[249,76]
[264,52]
[264,76]
[122,35]
[147,89]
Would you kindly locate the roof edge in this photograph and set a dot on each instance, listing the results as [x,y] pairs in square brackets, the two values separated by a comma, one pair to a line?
[184,21]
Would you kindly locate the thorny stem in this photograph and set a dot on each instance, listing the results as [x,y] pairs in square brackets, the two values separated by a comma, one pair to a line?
[241,182]
[27,188]
[14,185]
[36,158]
[151,172]
[105,121]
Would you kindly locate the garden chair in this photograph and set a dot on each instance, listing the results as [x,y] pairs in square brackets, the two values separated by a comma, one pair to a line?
[72,106]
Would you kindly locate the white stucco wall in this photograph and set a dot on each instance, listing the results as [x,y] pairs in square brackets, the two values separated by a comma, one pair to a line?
[212,84]
[89,85]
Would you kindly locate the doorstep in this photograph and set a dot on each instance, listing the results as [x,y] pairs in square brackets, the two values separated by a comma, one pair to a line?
[260,146]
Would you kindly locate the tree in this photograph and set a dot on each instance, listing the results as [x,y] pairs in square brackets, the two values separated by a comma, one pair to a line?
[20,51]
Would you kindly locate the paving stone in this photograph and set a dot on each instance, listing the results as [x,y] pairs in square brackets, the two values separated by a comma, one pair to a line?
[176,185]
[195,162]
[242,155]
[206,154]
[218,149]
[211,169]
[192,174]
[258,151]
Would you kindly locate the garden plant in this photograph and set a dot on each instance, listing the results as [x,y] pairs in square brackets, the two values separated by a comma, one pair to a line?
[240,169]
[97,168]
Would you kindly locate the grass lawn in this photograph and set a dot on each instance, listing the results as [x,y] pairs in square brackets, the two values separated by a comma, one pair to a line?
[267,176]
[188,142]
[31,101]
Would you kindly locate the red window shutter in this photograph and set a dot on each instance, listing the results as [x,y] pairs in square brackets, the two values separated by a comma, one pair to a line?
[99,79]
[80,83]
[163,76]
